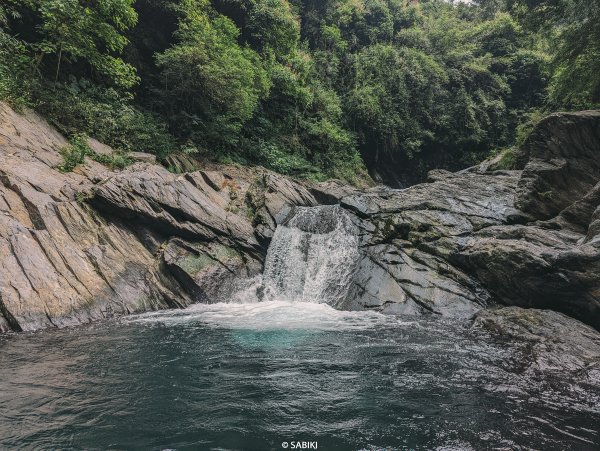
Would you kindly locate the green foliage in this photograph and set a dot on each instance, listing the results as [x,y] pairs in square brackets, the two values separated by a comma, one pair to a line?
[74,154]
[273,26]
[78,148]
[508,159]
[113,161]
[15,62]
[72,37]
[211,85]
[576,81]
[15,76]
[529,122]
[82,107]
[42,67]
[570,28]
[82,31]
[311,88]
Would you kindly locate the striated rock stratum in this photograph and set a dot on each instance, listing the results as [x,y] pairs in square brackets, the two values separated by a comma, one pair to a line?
[95,243]
[467,240]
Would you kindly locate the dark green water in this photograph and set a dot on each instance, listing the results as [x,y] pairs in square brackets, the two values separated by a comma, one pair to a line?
[254,376]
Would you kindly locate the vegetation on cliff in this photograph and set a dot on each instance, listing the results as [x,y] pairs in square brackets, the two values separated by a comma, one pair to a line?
[316,88]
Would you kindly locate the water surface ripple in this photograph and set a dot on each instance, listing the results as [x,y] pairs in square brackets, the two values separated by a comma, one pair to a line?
[251,376]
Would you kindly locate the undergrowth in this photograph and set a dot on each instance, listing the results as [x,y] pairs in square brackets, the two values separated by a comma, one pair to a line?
[78,148]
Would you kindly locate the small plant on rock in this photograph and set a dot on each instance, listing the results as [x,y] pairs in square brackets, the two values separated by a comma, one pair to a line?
[78,148]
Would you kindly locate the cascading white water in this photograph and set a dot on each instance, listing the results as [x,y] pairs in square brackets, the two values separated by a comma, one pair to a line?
[312,257]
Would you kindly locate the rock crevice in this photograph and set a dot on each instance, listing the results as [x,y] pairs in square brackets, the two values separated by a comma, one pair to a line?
[95,243]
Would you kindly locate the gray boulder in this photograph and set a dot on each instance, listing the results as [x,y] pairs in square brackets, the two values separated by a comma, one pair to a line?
[563,163]
[546,341]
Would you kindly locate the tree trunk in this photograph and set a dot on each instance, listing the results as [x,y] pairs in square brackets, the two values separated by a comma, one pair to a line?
[58,67]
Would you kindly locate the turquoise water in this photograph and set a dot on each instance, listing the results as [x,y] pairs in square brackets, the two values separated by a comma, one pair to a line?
[254,376]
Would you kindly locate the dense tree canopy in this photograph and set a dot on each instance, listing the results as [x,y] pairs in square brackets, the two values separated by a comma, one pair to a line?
[316,88]
[572,29]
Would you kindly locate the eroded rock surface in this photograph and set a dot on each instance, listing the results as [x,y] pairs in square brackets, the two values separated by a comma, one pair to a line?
[474,239]
[562,163]
[547,341]
[95,242]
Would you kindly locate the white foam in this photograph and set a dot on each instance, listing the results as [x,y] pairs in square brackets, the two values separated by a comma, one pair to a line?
[308,270]
[270,315]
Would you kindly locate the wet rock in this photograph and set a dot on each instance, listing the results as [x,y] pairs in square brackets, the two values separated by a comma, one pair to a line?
[409,237]
[563,154]
[593,235]
[207,270]
[534,267]
[268,196]
[460,242]
[60,263]
[331,192]
[549,341]
[398,280]
[95,242]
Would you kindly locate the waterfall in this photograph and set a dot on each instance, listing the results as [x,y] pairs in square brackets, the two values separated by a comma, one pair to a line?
[312,257]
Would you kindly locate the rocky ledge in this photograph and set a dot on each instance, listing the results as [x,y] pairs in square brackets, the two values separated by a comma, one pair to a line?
[481,237]
[544,341]
[96,242]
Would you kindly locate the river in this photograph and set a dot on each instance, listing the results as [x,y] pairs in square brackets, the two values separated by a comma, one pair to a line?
[256,375]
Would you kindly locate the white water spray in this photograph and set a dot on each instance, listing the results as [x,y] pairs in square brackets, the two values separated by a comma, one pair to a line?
[309,267]
[312,257]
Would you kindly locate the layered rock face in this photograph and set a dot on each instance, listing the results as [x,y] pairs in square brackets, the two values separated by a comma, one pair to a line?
[96,242]
[544,342]
[483,237]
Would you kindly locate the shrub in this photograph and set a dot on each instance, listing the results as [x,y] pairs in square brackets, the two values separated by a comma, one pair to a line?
[508,159]
[80,107]
[78,148]
[16,80]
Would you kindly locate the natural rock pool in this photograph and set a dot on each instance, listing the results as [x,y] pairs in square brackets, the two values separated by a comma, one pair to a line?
[255,375]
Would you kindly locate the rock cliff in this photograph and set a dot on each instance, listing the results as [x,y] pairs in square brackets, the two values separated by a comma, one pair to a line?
[481,237]
[94,243]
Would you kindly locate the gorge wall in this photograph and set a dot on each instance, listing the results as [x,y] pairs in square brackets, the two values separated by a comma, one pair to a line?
[95,243]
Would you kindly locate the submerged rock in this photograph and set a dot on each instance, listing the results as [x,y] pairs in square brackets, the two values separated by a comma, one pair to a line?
[548,341]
